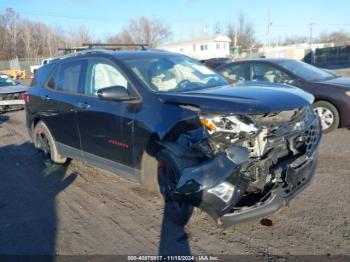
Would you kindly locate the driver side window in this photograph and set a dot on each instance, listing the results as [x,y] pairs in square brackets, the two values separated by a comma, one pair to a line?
[101,74]
[267,73]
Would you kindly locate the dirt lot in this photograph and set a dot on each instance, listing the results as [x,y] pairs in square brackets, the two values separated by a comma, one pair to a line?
[78,209]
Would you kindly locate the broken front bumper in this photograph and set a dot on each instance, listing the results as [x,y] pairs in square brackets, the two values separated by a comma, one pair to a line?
[218,187]
[297,179]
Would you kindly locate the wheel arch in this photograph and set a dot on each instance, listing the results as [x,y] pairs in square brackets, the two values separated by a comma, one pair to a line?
[156,142]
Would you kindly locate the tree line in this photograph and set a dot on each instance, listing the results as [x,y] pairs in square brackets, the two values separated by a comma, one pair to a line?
[22,38]
[26,39]
[338,37]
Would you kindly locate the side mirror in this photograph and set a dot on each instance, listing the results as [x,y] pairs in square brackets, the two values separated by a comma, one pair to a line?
[17,82]
[114,93]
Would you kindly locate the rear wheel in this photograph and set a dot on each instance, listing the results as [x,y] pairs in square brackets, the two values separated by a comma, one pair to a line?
[328,114]
[44,141]
[169,173]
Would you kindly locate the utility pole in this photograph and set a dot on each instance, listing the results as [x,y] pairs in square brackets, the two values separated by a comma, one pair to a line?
[310,33]
[235,37]
[269,29]
[205,29]
[310,43]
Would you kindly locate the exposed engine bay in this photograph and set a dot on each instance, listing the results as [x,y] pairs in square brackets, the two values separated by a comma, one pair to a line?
[245,159]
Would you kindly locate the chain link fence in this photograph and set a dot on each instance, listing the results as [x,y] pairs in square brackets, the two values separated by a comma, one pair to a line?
[20,64]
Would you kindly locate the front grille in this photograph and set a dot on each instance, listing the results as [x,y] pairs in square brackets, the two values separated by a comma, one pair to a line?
[312,137]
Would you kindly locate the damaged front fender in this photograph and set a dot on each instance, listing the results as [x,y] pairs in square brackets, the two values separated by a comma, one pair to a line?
[197,184]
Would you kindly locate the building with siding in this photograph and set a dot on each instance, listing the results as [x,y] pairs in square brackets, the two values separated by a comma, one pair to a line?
[201,48]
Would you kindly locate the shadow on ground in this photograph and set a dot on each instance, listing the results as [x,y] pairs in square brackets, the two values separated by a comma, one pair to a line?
[28,188]
[3,118]
[28,215]
[173,238]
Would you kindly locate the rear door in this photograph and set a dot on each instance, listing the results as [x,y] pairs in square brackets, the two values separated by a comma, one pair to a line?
[58,106]
[106,127]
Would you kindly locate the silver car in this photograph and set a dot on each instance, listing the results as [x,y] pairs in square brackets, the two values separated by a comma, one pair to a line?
[11,94]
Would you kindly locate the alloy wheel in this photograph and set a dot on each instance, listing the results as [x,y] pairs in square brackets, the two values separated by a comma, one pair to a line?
[326,116]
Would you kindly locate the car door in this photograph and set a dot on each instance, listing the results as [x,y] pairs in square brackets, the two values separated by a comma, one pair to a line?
[106,127]
[58,102]
[234,72]
[265,72]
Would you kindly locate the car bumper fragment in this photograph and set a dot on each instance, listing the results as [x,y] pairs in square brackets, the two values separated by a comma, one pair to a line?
[298,178]
[11,102]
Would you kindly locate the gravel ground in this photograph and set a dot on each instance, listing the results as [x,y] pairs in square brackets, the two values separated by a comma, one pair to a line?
[77,209]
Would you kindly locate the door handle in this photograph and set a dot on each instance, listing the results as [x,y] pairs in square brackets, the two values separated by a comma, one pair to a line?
[83,105]
[45,98]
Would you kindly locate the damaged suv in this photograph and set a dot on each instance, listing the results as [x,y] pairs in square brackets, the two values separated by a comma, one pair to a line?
[172,124]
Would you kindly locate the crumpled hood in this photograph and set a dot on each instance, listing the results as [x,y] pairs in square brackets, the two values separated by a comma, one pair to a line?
[343,82]
[13,89]
[245,99]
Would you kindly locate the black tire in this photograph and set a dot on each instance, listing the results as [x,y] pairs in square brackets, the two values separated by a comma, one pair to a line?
[44,141]
[169,172]
[322,106]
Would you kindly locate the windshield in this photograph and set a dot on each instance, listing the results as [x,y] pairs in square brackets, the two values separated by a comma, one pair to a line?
[174,73]
[6,81]
[306,71]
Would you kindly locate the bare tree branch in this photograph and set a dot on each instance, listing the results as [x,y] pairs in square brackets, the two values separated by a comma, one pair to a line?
[144,31]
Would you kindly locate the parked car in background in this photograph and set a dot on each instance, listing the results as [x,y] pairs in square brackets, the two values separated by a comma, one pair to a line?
[33,68]
[11,94]
[215,62]
[332,92]
[172,124]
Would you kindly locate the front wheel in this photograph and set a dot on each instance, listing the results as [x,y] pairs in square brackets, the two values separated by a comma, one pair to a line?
[169,173]
[328,114]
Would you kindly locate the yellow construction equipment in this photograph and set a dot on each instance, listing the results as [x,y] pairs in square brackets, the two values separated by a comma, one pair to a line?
[14,74]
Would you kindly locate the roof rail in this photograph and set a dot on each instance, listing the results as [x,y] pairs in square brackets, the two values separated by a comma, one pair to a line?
[71,52]
[100,46]
[115,46]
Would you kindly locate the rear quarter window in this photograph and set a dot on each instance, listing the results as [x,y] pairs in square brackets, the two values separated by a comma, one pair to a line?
[41,75]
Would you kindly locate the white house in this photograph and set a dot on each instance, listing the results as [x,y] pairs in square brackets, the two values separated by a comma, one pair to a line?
[201,48]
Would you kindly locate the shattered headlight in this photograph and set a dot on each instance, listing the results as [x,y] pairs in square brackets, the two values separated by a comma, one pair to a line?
[232,124]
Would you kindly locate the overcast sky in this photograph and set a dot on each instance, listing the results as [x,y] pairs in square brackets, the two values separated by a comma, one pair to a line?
[187,18]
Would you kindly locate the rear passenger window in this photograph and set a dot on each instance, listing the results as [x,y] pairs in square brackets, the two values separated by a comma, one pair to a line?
[67,77]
